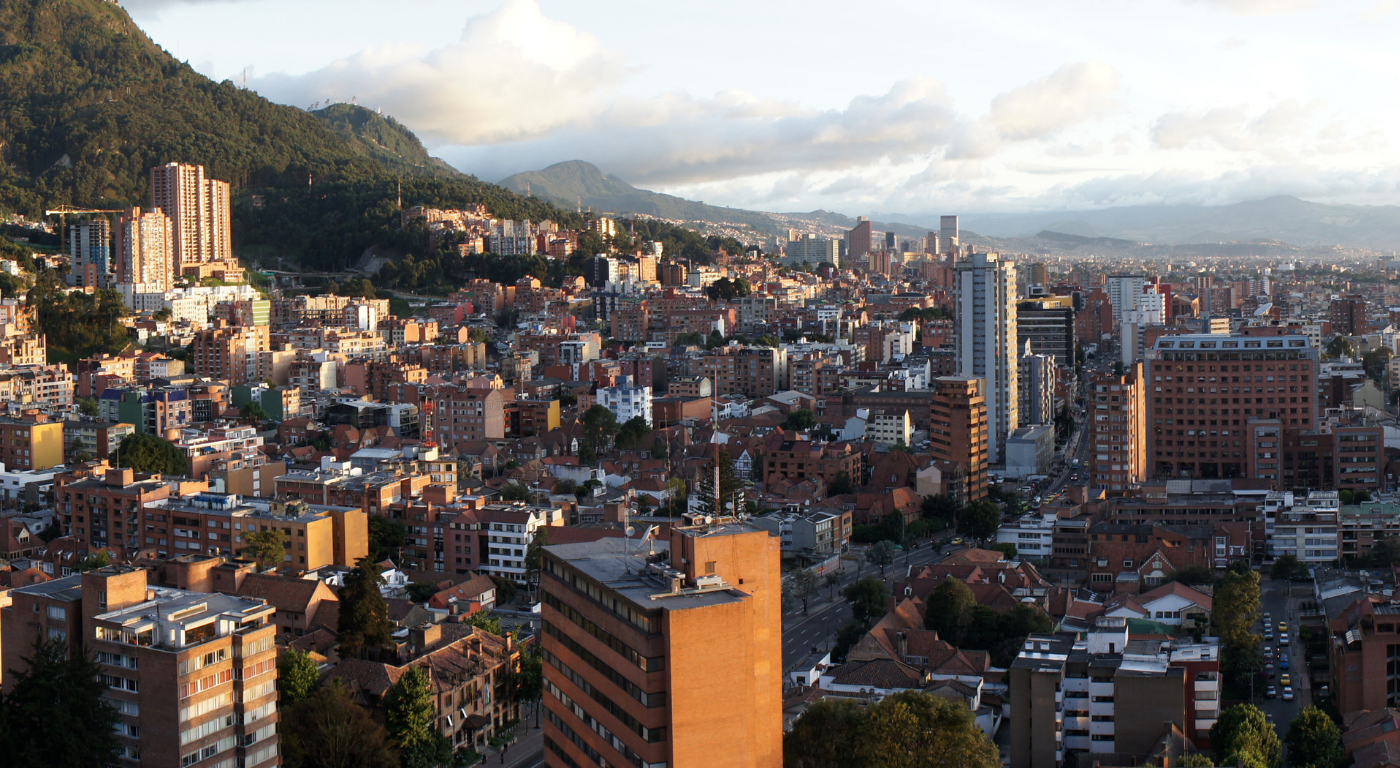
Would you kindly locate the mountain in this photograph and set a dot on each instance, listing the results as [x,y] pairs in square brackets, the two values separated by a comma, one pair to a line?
[1283,218]
[88,104]
[574,182]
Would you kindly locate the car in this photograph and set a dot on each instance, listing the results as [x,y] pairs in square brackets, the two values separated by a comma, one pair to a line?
[1269,635]
[1268,670]
[958,540]
[1267,620]
[1287,693]
[1283,638]
[1285,680]
[1283,626]
[1283,662]
[1271,692]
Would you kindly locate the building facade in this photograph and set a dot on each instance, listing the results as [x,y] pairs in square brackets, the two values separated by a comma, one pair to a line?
[987,341]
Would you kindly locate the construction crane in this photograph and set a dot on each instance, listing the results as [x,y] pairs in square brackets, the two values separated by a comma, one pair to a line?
[64,210]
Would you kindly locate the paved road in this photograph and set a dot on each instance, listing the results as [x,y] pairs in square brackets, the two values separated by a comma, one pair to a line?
[526,752]
[1281,607]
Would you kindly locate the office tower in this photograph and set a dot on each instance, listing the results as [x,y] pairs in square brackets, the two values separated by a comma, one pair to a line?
[664,652]
[1123,292]
[948,234]
[858,240]
[1213,385]
[1118,418]
[987,343]
[931,243]
[1066,689]
[1048,324]
[880,262]
[958,433]
[145,250]
[90,247]
[1036,382]
[199,211]
[1038,275]
[193,676]
[889,242]
[1349,315]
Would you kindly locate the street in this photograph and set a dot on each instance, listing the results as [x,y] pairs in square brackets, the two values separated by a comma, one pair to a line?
[1275,601]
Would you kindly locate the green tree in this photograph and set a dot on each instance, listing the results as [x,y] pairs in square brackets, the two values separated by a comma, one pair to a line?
[267,548]
[823,737]
[1243,735]
[850,633]
[841,484]
[1384,552]
[1339,347]
[599,426]
[941,507]
[252,412]
[152,454]
[731,494]
[804,584]
[534,556]
[485,621]
[55,715]
[800,420]
[529,679]
[949,606]
[1198,760]
[1287,567]
[505,590]
[676,497]
[386,537]
[87,406]
[979,520]
[99,559]
[1007,549]
[329,730]
[880,554]
[1314,741]
[364,615]
[422,591]
[1191,575]
[911,729]
[515,492]
[410,718]
[297,677]
[867,598]
[633,434]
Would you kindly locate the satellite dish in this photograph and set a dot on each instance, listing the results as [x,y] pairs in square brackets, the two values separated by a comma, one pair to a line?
[629,531]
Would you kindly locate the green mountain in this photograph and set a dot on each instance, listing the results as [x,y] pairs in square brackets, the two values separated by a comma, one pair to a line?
[88,104]
[576,182]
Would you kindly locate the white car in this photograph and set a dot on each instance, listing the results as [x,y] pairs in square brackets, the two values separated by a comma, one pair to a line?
[1288,693]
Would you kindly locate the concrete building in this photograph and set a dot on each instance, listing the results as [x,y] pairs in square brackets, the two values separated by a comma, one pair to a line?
[199,211]
[890,428]
[1362,648]
[860,239]
[193,676]
[145,252]
[948,235]
[1037,378]
[90,248]
[641,681]
[1348,314]
[1033,535]
[626,401]
[1067,689]
[813,250]
[31,444]
[987,342]
[1030,451]
[215,523]
[1305,528]
[958,433]
[232,353]
[1118,420]
[1212,385]
[1047,324]
[1123,291]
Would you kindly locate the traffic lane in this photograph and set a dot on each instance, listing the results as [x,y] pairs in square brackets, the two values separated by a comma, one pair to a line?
[1274,600]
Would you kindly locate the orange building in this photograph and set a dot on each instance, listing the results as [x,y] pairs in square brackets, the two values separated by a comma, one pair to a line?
[231,353]
[1119,420]
[958,433]
[686,654]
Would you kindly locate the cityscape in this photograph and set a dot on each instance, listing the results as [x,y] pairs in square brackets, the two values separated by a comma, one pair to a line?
[319,450]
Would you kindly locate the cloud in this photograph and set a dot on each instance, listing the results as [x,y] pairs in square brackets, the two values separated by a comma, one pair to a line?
[1287,127]
[1258,7]
[1041,109]
[1378,11]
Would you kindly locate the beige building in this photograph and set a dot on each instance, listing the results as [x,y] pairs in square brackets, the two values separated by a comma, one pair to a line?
[199,212]
[145,250]
[1118,415]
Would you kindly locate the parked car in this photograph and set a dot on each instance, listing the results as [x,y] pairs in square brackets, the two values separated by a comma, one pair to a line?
[1268,635]
[1271,692]
[1287,693]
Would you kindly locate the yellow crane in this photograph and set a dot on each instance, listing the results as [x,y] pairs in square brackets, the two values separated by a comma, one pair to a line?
[64,210]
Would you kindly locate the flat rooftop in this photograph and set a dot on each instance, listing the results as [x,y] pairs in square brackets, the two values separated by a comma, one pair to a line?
[622,566]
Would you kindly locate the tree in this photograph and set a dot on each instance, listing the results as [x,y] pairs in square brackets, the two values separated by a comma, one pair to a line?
[99,559]
[410,718]
[979,520]
[485,621]
[386,537]
[1384,553]
[364,616]
[730,488]
[644,505]
[941,507]
[1191,575]
[676,496]
[831,581]
[1198,760]
[1338,347]
[881,554]
[1243,735]
[911,729]
[87,406]
[529,679]
[849,634]
[1375,363]
[1005,548]
[329,730]
[267,548]
[515,492]
[867,598]
[804,585]
[633,434]
[1314,741]
[297,677]
[505,590]
[421,591]
[253,412]
[55,715]
[599,426]
[823,736]
[841,484]
[1287,567]
[534,556]
[152,454]
[800,420]
[948,607]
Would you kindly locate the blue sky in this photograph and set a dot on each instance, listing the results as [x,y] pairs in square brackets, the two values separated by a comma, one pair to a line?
[914,107]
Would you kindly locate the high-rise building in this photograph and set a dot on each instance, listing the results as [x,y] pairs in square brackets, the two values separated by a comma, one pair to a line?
[90,247]
[1123,292]
[1047,324]
[948,234]
[1213,385]
[987,341]
[958,432]
[931,243]
[890,242]
[192,675]
[1037,274]
[145,250]
[859,239]
[1349,315]
[626,400]
[1036,383]
[1118,418]
[813,250]
[199,211]
[231,353]
[654,650]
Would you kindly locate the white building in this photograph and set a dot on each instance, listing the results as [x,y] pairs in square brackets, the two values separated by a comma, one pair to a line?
[1032,535]
[890,428]
[626,401]
[1123,291]
[1030,451]
[14,481]
[986,341]
[1306,529]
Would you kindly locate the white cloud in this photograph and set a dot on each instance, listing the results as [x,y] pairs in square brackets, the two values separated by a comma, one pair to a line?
[1041,109]
[1286,128]
[1259,7]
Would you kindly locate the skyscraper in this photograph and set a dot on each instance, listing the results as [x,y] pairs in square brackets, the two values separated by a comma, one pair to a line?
[948,233]
[931,243]
[199,211]
[958,433]
[986,339]
[1123,292]
[145,248]
[1119,460]
[858,240]
[1037,388]
[90,246]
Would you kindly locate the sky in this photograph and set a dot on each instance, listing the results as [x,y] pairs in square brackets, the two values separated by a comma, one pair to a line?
[912,107]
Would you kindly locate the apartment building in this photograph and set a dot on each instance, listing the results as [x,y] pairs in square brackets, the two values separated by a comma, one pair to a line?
[145,252]
[1335,455]
[1066,690]
[958,433]
[469,414]
[43,385]
[533,417]
[987,342]
[231,353]
[749,371]
[150,411]
[192,675]
[31,443]
[1047,324]
[1364,651]
[215,523]
[1206,388]
[1118,420]
[1306,528]
[801,459]
[1348,315]
[102,507]
[199,211]
[626,401]
[639,647]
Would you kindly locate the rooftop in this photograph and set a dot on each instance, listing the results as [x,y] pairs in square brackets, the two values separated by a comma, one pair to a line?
[627,567]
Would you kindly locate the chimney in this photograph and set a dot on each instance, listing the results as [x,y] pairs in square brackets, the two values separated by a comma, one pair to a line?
[422,638]
[120,478]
